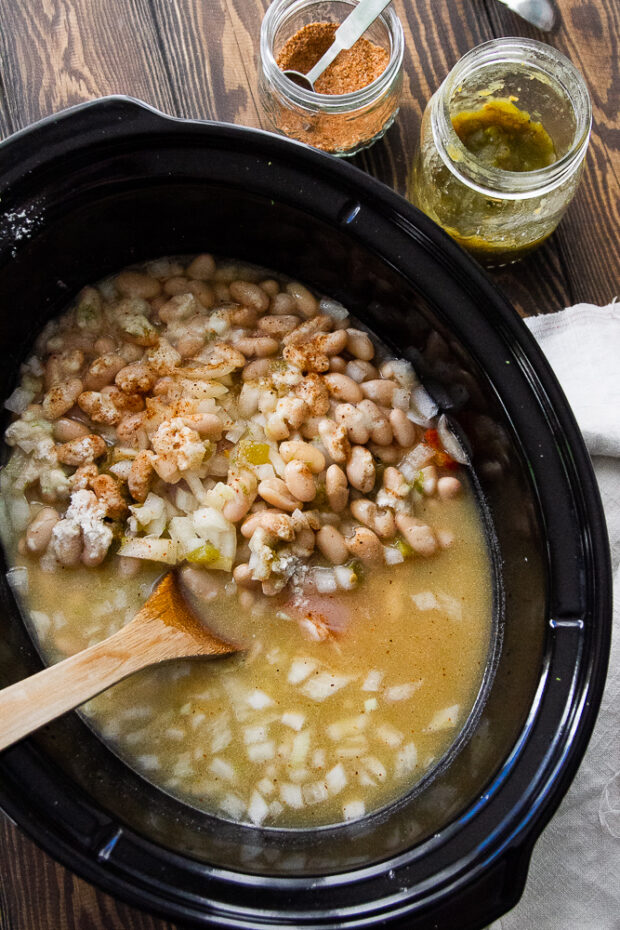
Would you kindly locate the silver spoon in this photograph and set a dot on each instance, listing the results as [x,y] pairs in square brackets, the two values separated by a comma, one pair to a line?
[347,34]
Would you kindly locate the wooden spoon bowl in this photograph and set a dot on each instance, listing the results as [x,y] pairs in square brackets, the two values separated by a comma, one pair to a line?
[165,628]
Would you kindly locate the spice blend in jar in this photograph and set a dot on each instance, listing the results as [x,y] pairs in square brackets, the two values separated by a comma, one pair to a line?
[357,97]
[352,68]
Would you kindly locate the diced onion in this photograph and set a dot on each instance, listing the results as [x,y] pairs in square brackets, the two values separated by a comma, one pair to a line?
[372,682]
[291,795]
[422,407]
[336,779]
[259,700]
[324,685]
[300,669]
[450,442]
[333,308]
[406,760]
[353,810]
[402,692]
[294,720]
[315,793]
[392,555]
[261,752]
[155,550]
[389,735]
[444,719]
[257,809]
[222,769]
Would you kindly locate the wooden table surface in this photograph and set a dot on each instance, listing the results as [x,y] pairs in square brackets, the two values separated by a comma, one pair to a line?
[197,58]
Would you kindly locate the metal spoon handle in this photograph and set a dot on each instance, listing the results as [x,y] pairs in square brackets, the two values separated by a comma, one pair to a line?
[347,34]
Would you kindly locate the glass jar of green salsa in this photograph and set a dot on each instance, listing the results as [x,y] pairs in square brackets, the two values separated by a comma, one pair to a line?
[502,148]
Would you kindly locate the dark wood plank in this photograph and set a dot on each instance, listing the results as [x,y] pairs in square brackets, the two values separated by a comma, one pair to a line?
[38,894]
[63,52]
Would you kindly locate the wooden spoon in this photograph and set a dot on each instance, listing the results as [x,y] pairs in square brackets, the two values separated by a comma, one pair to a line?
[165,628]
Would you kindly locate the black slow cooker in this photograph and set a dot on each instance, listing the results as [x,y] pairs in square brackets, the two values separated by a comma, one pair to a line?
[111,182]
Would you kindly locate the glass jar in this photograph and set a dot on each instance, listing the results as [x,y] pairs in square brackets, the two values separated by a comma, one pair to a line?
[342,124]
[499,215]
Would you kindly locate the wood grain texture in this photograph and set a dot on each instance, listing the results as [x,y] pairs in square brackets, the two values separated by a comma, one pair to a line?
[198,58]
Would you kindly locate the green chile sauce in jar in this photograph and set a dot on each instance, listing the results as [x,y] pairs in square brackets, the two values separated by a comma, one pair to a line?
[502,147]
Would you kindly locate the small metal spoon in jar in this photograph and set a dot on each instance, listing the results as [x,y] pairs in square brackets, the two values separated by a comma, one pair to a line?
[347,34]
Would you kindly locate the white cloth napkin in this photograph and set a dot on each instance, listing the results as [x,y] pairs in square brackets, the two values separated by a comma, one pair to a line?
[574,877]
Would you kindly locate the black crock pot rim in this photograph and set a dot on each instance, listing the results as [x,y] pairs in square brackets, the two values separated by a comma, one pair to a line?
[523,833]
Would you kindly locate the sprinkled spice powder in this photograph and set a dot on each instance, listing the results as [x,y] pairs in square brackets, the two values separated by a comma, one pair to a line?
[352,69]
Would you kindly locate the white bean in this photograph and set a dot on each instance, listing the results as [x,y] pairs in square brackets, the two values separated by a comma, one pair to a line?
[259,346]
[39,531]
[335,440]
[361,469]
[202,267]
[378,423]
[418,534]
[303,452]
[332,544]
[300,480]
[380,521]
[243,576]
[61,398]
[354,422]
[404,430]
[66,429]
[365,546]
[379,390]
[448,487]
[250,295]
[277,493]
[343,388]
[360,345]
[307,305]
[336,488]
[361,371]
[244,484]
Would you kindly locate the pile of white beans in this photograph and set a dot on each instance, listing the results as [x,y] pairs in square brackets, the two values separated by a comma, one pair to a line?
[213,386]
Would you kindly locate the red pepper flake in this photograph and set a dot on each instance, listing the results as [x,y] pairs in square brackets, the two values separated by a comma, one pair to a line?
[442,459]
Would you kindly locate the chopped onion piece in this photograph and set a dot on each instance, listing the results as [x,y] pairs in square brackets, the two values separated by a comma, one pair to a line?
[291,795]
[254,735]
[18,579]
[300,669]
[444,719]
[370,705]
[266,786]
[402,692]
[301,745]
[148,762]
[259,700]
[389,735]
[155,550]
[257,809]
[345,577]
[19,400]
[449,441]
[353,810]
[336,779]
[324,685]
[232,805]
[293,719]
[222,769]
[315,792]
[333,308]
[422,406]
[261,752]
[406,760]
[325,580]
[392,555]
[375,767]
[373,680]
[344,728]
[425,600]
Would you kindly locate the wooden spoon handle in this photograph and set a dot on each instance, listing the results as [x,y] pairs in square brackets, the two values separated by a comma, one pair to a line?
[27,705]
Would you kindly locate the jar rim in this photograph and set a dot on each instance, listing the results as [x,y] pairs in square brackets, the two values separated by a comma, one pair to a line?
[278,12]
[498,182]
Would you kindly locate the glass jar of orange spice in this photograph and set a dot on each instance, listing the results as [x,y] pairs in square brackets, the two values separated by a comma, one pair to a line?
[355,100]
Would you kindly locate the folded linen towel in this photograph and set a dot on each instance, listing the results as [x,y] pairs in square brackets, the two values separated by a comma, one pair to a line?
[574,877]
